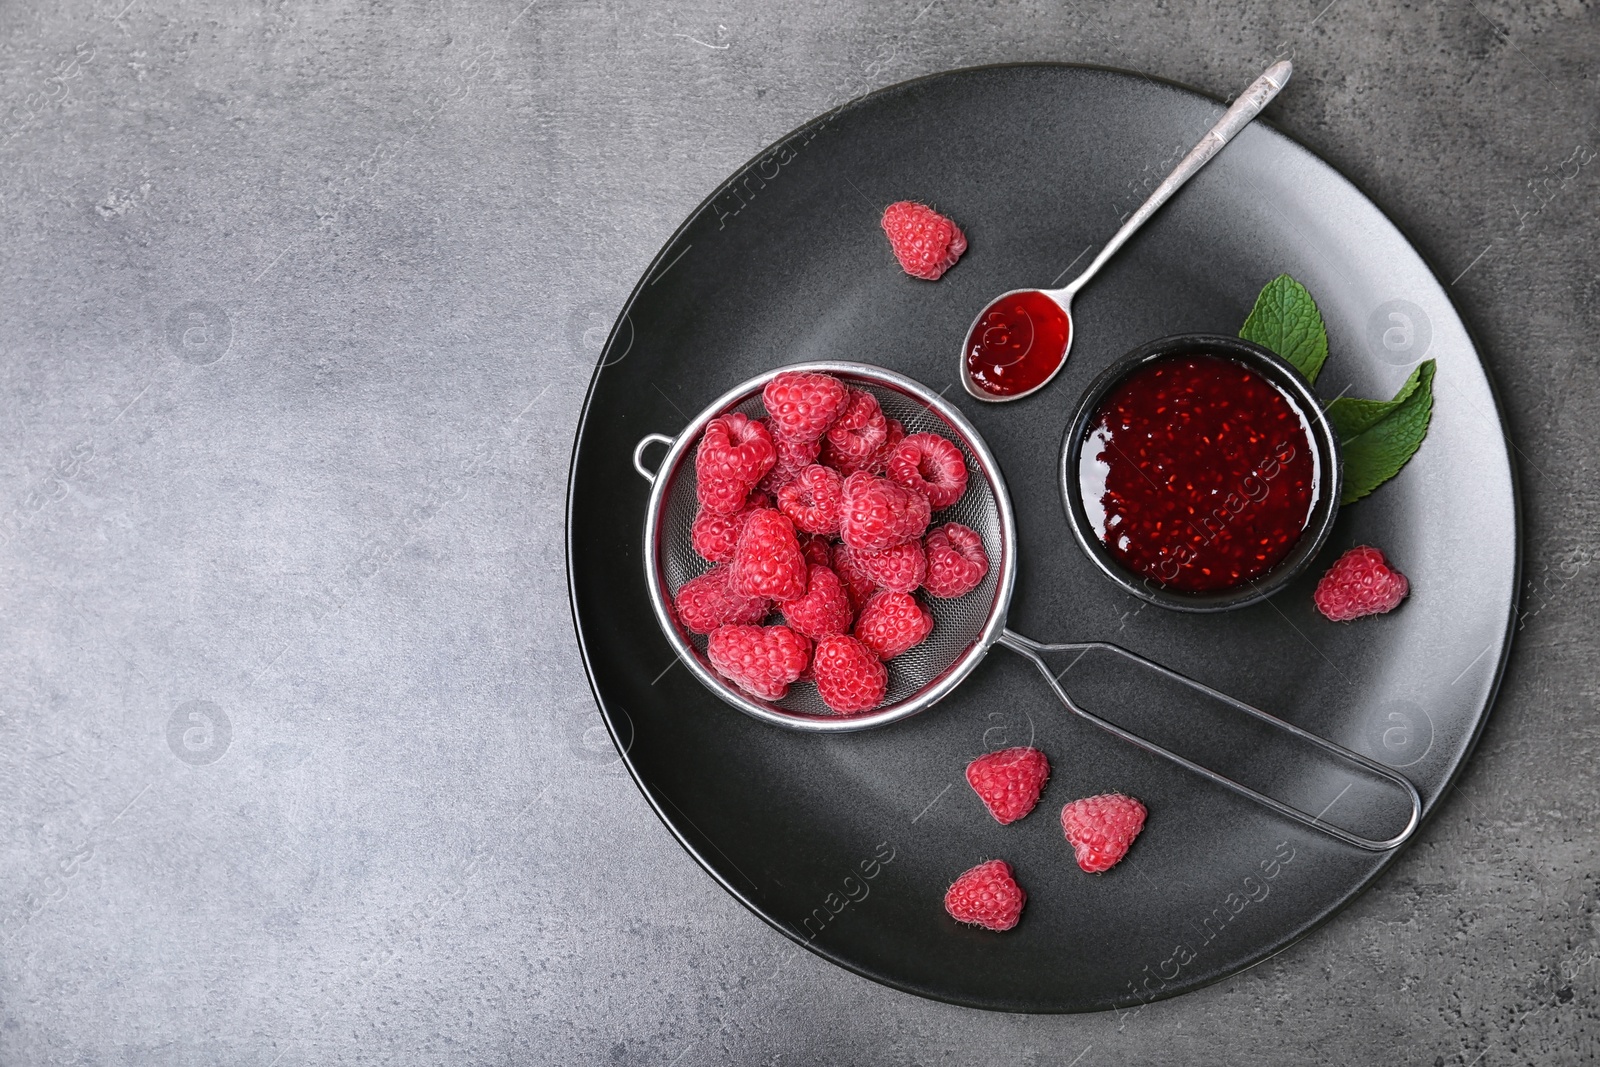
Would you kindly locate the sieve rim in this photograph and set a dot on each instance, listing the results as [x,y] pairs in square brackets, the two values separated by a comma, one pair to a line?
[930,694]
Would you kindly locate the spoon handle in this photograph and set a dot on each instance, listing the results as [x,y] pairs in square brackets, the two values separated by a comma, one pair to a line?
[1244,109]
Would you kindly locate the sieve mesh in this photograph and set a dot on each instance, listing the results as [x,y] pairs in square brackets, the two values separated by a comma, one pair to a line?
[959,623]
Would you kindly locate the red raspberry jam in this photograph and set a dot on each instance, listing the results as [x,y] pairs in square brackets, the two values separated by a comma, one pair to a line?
[1198,473]
[1017,343]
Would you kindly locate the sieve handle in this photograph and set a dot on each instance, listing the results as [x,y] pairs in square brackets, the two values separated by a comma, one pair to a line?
[638,453]
[1032,650]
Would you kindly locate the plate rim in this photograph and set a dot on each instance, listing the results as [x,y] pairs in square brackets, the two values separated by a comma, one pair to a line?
[1322,916]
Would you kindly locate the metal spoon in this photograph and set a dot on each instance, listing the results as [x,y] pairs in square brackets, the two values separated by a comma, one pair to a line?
[1019,342]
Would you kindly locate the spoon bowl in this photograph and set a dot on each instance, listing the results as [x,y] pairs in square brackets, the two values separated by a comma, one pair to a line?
[1017,344]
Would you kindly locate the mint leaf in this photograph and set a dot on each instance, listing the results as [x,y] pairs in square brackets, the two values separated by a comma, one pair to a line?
[1352,417]
[1286,320]
[1379,436]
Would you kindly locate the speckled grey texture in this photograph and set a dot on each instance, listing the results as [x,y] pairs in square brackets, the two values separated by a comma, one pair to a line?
[297,307]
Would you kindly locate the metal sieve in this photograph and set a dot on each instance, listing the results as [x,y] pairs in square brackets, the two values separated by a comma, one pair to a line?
[965,628]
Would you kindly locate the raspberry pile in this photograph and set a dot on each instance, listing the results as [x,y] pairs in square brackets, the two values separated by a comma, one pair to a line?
[817,518]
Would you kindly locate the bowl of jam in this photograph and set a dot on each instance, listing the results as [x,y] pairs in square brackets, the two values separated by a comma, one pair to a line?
[1200,473]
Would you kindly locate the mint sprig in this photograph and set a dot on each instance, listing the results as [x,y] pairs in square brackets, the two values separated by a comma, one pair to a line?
[1378,436]
[1286,320]
[1353,417]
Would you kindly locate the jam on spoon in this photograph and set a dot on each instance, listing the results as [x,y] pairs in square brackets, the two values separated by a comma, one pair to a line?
[1020,340]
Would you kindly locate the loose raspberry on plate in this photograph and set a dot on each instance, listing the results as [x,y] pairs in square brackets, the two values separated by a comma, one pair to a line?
[857,435]
[932,465]
[879,514]
[1009,781]
[856,583]
[813,500]
[735,453]
[793,457]
[1101,829]
[824,610]
[986,896]
[899,569]
[891,623]
[1361,583]
[714,536]
[956,560]
[803,405]
[761,660]
[850,679]
[767,560]
[817,550]
[707,602]
[925,242]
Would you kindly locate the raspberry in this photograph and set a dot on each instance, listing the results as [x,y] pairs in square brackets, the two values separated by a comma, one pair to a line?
[986,896]
[849,677]
[1101,829]
[813,499]
[879,462]
[1009,781]
[802,406]
[873,464]
[900,568]
[714,536]
[879,514]
[839,461]
[732,457]
[707,602]
[793,457]
[761,660]
[1361,583]
[931,465]
[925,242]
[858,434]
[767,560]
[956,560]
[817,550]
[823,610]
[856,583]
[891,623]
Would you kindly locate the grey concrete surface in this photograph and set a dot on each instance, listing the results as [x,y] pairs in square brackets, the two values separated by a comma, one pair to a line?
[298,302]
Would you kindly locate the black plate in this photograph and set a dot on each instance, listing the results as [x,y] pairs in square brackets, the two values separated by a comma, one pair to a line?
[846,843]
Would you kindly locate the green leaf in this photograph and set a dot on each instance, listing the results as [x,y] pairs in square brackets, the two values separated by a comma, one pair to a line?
[1286,320]
[1352,417]
[1379,436]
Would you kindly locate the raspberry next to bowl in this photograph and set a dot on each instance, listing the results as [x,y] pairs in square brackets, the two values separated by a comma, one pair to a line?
[1198,473]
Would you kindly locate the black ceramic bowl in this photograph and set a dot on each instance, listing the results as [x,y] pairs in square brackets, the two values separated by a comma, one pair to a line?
[1323,438]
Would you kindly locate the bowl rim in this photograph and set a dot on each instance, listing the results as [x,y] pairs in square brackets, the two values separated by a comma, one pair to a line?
[1325,439]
